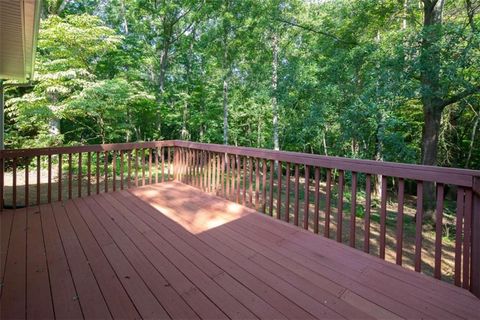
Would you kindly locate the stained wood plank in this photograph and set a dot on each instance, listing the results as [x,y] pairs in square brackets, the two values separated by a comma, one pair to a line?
[14,284]
[356,256]
[167,227]
[171,301]
[65,297]
[147,304]
[220,297]
[88,291]
[39,300]
[117,299]
[6,220]
[219,258]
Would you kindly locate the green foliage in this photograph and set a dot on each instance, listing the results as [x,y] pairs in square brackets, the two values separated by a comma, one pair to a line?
[348,76]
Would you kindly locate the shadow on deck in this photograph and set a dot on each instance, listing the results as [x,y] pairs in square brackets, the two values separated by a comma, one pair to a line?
[171,251]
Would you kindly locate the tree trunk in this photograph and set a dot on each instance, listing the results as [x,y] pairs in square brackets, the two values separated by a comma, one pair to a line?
[472,139]
[163,66]
[226,74]
[225,111]
[276,145]
[432,102]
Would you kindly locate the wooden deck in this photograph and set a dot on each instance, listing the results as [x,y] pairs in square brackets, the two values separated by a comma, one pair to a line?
[172,251]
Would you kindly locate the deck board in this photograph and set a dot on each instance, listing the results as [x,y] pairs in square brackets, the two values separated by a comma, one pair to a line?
[39,300]
[170,251]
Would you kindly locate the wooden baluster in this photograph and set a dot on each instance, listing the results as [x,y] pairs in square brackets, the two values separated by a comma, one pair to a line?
[401,196]
[60,191]
[296,202]
[26,183]
[383,216]
[306,204]
[418,227]
[341,182]
[49,178]
[162,154]
[168,163]
[121,169]
[191,169]
[438,231]
[202,170]
[182,164]
[270,191]
[316,200]
[150,154]
[156,164]
[178,156]
[205,171]
[474,276]
[368,206]
[79,178]
[197,168]
[467,236]
[209,171]
[185,165]
[97,172]
[129,168]
[219,175]
[143,166]
[38,180]
[458,235]
[279,191]
[353,210]
[172,165]
[70,176]
[136,167]
[264,185]
[232,176]
[244,182]
[250,182]
[210,174]
[287,191]
[328,206]
[223,182]
[257,184]
[239,168]
[114,170]
[214,173]
[89,172]
[14,183]
[105,169]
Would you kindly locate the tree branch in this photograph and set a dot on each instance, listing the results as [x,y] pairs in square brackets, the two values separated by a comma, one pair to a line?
[323,33]
[459,96]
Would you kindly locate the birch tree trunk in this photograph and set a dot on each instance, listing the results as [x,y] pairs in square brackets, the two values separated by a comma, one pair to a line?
[226,74]
[276,145]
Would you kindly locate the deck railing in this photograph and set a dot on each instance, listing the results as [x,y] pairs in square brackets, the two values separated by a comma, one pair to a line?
[333,196]
[43,175]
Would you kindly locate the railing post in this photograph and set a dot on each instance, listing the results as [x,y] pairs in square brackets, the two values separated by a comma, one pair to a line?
[475,260]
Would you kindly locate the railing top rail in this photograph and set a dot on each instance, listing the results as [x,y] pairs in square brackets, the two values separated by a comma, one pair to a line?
[18,153]
[460,177]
